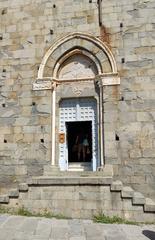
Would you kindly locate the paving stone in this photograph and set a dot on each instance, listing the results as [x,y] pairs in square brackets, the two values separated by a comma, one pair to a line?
[76,229]
[44,228]
[60,233]
[13,223]
[41,229]
[3,218]
[29,225]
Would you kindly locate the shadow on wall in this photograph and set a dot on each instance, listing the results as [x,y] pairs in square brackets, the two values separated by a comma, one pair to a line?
[149,234]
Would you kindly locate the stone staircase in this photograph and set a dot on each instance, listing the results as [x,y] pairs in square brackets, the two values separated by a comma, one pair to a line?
[79,167]
[92,184]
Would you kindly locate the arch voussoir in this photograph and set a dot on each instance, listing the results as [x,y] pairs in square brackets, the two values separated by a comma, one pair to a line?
[93,45]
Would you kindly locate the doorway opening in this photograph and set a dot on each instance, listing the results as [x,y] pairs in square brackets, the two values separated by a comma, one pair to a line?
[79,141]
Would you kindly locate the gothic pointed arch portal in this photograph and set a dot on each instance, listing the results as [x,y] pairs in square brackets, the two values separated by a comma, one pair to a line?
[72,68]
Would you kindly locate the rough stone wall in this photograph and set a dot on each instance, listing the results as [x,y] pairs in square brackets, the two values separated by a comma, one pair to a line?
[133,113]
[28,28]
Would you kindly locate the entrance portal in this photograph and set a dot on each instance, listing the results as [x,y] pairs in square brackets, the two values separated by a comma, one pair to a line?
[78,117]
[79,140]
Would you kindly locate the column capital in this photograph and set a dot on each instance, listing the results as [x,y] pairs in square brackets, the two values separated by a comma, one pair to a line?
[107,79]
[45,84]
[42,84]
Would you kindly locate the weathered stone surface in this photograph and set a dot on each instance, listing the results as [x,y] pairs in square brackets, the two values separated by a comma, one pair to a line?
[70,180]
[127,192]
[13,193]
[116,186]
[23,187]
[149,205]
[129,112]
[33,228]
[138,198]
[4,198]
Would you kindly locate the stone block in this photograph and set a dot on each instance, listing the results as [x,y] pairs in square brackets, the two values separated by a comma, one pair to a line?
[135,153]
[116,186]
[14,193]
[35,194]
[24,53]
[149,153]
[143,117]
[107,170]
[17,129]
[116,201]
[11,28]
[44,108]
[44,228]
[149,205]
[50,181]
[4,199]
[138,198]
[21,170]
[23,187]
[127,192]
[111,152]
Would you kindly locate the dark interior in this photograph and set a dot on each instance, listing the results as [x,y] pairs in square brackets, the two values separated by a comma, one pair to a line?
[73,130]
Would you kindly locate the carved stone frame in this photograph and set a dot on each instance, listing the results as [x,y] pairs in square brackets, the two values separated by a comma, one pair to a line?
[101,80]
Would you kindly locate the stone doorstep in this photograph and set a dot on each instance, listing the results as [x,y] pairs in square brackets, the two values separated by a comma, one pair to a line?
[105,171]
[70,181]
[77,173]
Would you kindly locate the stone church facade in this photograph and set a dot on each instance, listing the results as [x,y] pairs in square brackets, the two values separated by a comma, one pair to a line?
[70,67]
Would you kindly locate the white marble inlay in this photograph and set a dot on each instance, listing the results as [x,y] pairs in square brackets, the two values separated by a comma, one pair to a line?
[42,85]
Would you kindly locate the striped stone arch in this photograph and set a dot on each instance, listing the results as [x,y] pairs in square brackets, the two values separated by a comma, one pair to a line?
[77,43]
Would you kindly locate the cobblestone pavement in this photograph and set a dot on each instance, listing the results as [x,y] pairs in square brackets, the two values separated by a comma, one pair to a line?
[33,228]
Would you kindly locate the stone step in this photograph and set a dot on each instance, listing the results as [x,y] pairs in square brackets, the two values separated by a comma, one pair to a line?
[4,199]
[79,167]
[116,186]
[149,205]
[49,181]
[106,171]
[138,198]
[127,192]
[78,174]
[23,187]
[13,193]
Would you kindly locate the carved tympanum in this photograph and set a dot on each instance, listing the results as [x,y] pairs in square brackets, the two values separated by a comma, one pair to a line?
[77,67]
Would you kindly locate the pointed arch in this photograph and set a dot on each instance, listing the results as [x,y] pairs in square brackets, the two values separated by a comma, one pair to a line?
[89,46]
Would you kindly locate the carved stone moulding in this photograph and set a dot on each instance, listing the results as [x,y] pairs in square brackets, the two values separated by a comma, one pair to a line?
[111,79]
[49,83]
[42,84]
